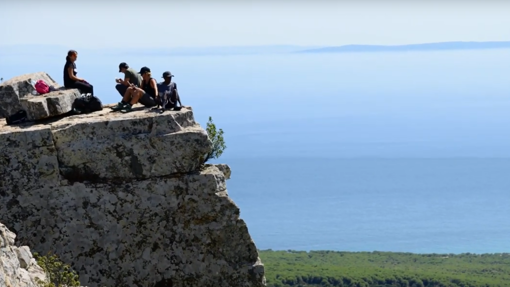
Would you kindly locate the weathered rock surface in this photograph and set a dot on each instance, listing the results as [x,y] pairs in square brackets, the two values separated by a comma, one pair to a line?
[123,199]
[16,94]
[225,169]
[17,266]
[49,105]
[140,145]
[104,146]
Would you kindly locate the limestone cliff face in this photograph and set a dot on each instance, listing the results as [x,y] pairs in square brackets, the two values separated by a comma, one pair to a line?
[123,199]
[17,266]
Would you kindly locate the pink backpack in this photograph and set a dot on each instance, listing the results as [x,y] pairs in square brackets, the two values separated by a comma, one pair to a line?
[41,87]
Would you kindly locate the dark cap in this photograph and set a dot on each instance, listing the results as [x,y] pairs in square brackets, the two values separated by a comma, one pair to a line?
[144,70]
[167,74]
[123,65]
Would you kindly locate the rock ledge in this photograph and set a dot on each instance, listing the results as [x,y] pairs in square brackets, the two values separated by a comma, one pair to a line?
[124,200]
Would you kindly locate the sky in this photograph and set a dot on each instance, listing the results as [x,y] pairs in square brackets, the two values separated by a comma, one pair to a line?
[196,23]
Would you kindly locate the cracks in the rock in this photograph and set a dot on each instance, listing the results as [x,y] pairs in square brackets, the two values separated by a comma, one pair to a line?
[122,180]
[164,283]
[77,174]
[135,165]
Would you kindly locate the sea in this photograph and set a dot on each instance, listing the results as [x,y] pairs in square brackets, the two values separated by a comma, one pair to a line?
[390,151]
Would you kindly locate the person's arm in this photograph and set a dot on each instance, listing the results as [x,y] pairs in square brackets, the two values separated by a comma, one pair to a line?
[178,97]
[70,71]
[155,86]
[138,88]
[126,81]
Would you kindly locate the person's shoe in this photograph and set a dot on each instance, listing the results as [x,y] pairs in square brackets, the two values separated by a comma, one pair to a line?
[126,109]
[162,110]
[118,107]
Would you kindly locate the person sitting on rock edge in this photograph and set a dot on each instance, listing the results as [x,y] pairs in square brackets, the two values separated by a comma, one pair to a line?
[146,94]
[130,77]
[71,81]
[168,93]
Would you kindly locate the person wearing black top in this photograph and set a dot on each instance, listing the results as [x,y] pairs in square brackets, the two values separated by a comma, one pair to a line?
[146,94]
[71,81]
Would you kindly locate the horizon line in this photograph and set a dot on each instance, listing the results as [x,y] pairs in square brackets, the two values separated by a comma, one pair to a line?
[264,45]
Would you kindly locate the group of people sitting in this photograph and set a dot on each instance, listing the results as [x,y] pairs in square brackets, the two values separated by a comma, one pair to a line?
[134,88]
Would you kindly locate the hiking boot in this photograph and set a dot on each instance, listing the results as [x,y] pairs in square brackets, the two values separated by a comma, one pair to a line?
[118,107]
[126,109]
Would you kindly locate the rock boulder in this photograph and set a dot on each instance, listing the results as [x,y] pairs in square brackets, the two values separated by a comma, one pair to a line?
[16,94]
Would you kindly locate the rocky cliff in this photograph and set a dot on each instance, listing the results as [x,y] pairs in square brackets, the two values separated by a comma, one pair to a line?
[17,266]
[125,200]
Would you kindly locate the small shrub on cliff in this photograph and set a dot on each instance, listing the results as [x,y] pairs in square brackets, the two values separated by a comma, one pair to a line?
[58,274]
[218,143]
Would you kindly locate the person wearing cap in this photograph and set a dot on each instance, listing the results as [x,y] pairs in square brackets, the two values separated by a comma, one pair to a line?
[168,93]
[130,77]
[145,94]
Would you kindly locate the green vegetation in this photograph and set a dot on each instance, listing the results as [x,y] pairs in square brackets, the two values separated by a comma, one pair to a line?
[58,274]
[378,269]
[216,137]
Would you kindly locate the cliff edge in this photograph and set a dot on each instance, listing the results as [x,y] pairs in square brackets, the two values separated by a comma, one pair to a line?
[125,199]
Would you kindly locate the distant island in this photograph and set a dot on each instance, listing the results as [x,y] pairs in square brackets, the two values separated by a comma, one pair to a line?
[443,46]
[251,50]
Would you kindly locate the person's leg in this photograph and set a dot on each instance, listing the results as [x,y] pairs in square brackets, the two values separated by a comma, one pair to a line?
[136,97]
[141,97]
[84,88]
[128,95]
[147,100]
[125,99]
[122,89]
[137,94]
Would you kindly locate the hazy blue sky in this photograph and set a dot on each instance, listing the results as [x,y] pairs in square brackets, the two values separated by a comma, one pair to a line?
[95,24]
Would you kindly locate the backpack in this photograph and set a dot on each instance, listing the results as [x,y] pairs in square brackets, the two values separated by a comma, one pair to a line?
[17,118]
[87,104]
[41,87]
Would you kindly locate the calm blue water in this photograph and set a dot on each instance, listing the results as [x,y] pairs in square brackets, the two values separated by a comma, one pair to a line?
[408,205]
[357,152]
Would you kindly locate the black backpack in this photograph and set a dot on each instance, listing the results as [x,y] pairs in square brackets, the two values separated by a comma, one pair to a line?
[17,118]
[87,104]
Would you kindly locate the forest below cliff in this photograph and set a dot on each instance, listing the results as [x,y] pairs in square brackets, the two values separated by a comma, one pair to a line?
[378,269]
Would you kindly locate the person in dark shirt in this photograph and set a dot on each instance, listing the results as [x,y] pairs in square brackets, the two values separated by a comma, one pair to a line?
[168,93]
[130,77]
[145,94]
[71,81]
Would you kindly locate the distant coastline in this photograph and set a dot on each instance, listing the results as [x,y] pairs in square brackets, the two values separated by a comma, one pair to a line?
[257,50]
[442,46]
[377,269]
